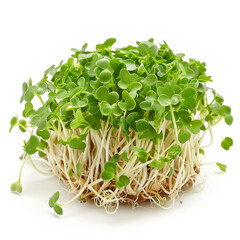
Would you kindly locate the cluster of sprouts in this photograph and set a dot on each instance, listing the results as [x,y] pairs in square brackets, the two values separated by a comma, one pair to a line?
[121,126]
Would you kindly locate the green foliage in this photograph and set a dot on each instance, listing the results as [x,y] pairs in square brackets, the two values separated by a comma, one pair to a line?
[158,164]
[110,168]
[32,145]
[221,166]
[226,143]
[144,79]
[174,151]
[13,123]
[109,172]
[184,136]
[145,129]
[136,88]
[53,203]
[123,181]
[16,187]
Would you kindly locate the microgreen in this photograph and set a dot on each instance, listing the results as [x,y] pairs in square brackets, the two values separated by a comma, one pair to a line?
[184,136]
[158,164]
[53,203]
[221,166]
[143,91]
[174,151]
[16,187]
[122,182]
[226,143]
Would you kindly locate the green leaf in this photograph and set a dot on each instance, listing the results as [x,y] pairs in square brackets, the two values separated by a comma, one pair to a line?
[189,92]
[28,109]
[105,76]
[16,187]
[150,80]
[142,155]
[124,180]
[118,184]
[79,168]
[70,62]
[110,167]
[228,119]
[103,63]
[201,151]
[62,93]
[164,100]
[187,72]
[146,48]
[13,123]
[105,108]
[129,103]
[226,143]
[31,145]
[190,103]
[127,79]
[79,120]
[106,45]
[195,126]
[44,134]
[105,175]
[183,136]
[75,102]
[125,157]
[174,151]
[77,143]
[145,105]
[53,199]
[221,166]
[114,159]
[22,125]
[224,110]
[41,88]
[131,66]
[157,164]
[103,94]
[58,210]
[146,130]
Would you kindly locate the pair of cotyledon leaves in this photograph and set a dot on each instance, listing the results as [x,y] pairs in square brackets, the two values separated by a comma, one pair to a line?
[110,169]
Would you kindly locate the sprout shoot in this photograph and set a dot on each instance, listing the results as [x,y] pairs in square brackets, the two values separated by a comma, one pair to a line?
[121,126]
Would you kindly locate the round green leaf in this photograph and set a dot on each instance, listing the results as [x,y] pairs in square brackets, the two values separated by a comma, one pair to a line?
[124,180]
[164,100]
[41,88]
[44,134]
[77,143]
[105,76]
[150,80]
[226,143]
[16,187]
[58,210]
[183,136]
[105,108]
[157,164]
[105,175]
[103,63]
[228,119]
[110,167]
[189,92]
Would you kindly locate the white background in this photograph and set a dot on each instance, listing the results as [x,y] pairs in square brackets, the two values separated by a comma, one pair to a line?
[37,34]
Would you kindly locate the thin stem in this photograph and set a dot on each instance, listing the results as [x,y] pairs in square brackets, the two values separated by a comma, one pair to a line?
[40,98]
[20,172]
[174,123]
